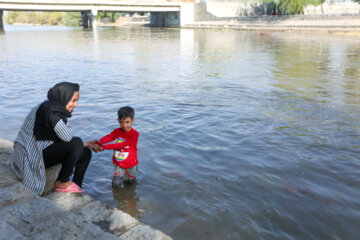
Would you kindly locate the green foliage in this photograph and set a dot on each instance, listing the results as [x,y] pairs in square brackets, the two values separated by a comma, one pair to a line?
[293,6]
[56,18]
[72,19]
[112,16]
[48,18]
[11,17]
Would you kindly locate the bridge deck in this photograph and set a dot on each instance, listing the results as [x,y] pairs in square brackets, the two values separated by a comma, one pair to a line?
[88,5]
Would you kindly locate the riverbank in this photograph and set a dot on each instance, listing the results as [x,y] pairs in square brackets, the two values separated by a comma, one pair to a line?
[55,215]
[329,24]
[340,24]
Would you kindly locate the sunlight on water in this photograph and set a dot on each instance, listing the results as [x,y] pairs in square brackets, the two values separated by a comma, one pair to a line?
[242,135]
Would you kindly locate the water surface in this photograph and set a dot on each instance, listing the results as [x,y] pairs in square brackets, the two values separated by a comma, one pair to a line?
[243,135]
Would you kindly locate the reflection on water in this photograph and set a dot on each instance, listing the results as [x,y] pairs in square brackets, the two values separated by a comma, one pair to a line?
[126,199]
[243,135]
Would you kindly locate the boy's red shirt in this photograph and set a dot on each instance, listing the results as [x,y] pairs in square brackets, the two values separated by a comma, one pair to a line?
[128,145]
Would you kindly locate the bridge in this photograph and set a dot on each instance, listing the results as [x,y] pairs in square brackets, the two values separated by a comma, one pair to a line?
[162,12]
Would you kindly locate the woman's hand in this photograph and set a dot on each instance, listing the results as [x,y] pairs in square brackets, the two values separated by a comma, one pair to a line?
[94,146]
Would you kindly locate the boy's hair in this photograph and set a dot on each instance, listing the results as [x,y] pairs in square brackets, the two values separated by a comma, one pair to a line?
[125,112]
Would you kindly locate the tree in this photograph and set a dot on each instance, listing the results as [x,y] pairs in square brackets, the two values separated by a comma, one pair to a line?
[72,19]
[290,7]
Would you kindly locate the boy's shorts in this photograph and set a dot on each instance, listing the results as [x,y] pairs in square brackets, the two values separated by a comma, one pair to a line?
[126,174]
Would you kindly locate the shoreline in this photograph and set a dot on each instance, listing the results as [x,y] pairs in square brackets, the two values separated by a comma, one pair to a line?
[73,215]
[296,23]
[340,24]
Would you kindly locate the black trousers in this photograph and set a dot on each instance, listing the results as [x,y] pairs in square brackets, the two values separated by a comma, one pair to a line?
[70,154]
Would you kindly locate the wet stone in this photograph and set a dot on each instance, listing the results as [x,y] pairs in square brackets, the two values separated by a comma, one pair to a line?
[121,222]
[63,225]
[95,211]
[26,212]
[15,193]
[25,215]
[8,232]
[7,176]
[69,201]
[144,232]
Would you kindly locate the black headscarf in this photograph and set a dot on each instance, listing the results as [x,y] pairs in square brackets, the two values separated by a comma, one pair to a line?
[53,110]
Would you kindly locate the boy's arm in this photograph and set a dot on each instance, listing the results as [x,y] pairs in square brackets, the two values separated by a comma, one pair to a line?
[107,138]
[132,140]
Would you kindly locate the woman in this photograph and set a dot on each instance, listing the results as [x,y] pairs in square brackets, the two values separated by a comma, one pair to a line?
[45,140]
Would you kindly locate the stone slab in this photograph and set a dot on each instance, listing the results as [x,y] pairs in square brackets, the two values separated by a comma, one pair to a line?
[8,232]
[69,201]
[7,176]
[20,215]
[51,175]
[25,215]
[64,225]
[15,193]
[144,232]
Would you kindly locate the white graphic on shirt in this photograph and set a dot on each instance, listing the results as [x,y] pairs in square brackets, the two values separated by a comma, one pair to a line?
[118,155]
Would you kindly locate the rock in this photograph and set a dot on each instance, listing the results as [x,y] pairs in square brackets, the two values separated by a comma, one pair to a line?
[51,175]
[144,232]
[8,232]
[7,176]
[25,215]
[109,219]
[69,201]
[14,193]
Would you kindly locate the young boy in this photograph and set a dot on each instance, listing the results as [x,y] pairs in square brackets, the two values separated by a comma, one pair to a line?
[125,147]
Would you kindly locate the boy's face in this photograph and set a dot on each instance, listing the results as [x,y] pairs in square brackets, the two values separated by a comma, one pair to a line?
[126,123]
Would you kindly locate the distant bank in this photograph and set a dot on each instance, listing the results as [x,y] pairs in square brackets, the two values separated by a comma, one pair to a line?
[323,23]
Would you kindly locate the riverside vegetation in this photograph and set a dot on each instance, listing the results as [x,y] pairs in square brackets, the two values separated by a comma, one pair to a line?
[54,18]
[281,7]
[291,7]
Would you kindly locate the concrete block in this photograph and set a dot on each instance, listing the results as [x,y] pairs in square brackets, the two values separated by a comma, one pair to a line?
[187,14]
[6,144]
[157,19]
[95,212]
[121,222]
[51,175]
[7,176]
[86,208]
[61,225]
[172,19]
[108,236]
[69,201]
[24,213]
[15,193]
[40,218]
[8,232]
[5,153]
[144,232]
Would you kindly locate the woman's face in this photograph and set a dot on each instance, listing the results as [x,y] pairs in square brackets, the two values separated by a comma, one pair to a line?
[73,102]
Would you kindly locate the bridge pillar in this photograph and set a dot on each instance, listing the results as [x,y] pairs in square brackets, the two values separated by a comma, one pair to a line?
[165,19]
[85,19]
[157,19]
[94,12]
[1,20]
[89,19]
[173,19]
[187,14]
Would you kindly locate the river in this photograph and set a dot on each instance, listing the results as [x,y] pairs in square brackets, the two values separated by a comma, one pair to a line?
[243,135]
